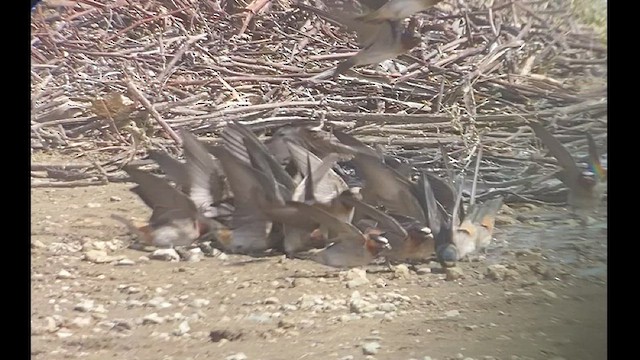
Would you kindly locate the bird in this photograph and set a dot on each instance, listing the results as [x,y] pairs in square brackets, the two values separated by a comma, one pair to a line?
[321,187]
[246,146]
[586,188]
[346,247]
[384,185]
[175,219]
[408,241]
[174,169]
[475,231]
[378,41]
[440,221]
[397,10]
[250,230]
[205,176]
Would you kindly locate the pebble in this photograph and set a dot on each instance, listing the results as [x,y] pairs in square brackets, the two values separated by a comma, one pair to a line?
[63,333]
[370,348]
[99,257]
[387,307]
[81,322]
[125,261]
[297,282]
[84,306]
[379,282]
[159,302]
[500,272]
[238,356]
[452,313]
[37,244]
[453,273]
[165,255]
[223,256]
[198,303]
[271,300]
[286,324]
[401,271]
[194,255]
[358,305]
[115,198]
[288,307]
[52,325]
[93,205]
[153,318]
[307,301]
[423,271]
[354,277]
[64,274]
[182,329]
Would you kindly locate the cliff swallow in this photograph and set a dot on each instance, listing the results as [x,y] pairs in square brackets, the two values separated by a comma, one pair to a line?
[382,183]
[485,220]
[246,146]
[323,188]
[378,41]
[175,220]
[440,221]
[409,240]
[347,245]
[586,188]
[206,178]
[251,230]
[174,169]
[398,10]
[474,232]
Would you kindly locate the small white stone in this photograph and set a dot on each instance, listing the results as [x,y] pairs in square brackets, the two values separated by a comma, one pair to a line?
[64,274]
[198,303]
[452,313]
[63,333]
[183,328]
[125,262]
[165,255]
[153,318]
[84,306]
[81,322]
[238,356]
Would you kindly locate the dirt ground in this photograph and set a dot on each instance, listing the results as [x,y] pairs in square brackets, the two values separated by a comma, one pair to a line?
[547,302]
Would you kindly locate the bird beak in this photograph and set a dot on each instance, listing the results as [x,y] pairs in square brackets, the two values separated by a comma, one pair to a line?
[383,242]
[426,230]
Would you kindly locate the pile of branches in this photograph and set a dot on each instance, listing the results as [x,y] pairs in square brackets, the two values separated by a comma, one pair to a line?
[120,76]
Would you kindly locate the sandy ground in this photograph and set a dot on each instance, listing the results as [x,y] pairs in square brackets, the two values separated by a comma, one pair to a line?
[548,301]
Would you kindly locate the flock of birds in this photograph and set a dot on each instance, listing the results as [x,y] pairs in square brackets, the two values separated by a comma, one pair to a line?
[295,193]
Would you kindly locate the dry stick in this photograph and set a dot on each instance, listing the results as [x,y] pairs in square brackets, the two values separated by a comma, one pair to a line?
[138,95]
[66,184]
[253,10]
[439,97]
[78,120]
[178,55]
[250,108]
[265,63]
[475,176]
[143,21]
